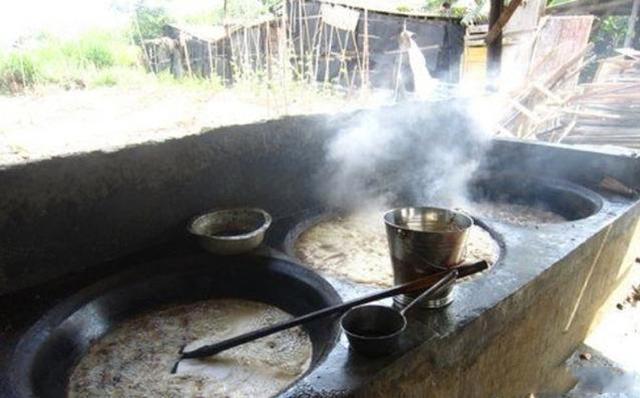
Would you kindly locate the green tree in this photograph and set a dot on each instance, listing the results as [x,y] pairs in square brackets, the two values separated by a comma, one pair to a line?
[148,20]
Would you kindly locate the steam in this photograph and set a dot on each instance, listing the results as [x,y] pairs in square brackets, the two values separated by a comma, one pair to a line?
[436,145]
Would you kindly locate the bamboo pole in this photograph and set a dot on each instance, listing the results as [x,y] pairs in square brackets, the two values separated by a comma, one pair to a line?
[284,49]
[301,39]
[247,65]
[215,59]
[267,49]
[343,65]
[210,59]
[144,48]
[365,50]
[317,44]
[183,42]
[358,57]
[328,52]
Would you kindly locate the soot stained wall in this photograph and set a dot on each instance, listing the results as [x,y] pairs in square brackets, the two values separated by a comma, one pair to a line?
[71,213]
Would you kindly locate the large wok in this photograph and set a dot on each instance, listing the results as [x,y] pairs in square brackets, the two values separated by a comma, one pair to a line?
[45,356]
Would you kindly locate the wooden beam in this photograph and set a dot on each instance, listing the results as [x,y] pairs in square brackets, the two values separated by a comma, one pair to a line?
[494,50]
[503,19]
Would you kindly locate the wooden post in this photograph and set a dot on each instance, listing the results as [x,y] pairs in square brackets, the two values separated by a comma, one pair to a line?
[183,42]
[301,67]
[328,54]
[494,50]
[267,50]
[315,49]
[210,60]
[365,50]
[631,29]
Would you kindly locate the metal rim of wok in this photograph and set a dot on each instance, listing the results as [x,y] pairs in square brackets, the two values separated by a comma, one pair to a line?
[311,218]
[46,354]
[562,197]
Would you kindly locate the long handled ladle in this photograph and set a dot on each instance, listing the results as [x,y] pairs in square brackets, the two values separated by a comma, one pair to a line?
[374,330]
[417,285]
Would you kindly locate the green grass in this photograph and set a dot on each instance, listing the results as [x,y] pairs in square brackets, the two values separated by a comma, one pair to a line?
[95,58]
[18,70]
[551,3]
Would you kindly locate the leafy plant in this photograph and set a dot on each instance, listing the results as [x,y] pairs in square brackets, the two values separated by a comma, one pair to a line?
[18,71]
[237,10]
[107,79]
[92,49]
[148,20]
[433,5]
[608,35]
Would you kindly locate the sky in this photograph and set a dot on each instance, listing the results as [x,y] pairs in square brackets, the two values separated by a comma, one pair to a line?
[70,17]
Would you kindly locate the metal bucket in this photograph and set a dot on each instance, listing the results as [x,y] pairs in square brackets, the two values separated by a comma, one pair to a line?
[423,241]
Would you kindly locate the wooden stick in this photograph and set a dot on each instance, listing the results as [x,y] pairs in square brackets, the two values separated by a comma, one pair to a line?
[301,38]
[525,111]
[547,92]
[568,130]
[183,42]
[365,50]
[359,65]
[210,60]
[315,49]
[591,114]
[330,45]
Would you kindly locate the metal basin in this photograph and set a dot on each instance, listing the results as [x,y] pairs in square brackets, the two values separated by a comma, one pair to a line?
[46,354]
[230,231]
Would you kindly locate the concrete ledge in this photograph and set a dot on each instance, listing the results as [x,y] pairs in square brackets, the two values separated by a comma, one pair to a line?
[76,212]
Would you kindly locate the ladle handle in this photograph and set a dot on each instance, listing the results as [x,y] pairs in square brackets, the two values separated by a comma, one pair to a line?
[417,285]
[443,283]
[216,348]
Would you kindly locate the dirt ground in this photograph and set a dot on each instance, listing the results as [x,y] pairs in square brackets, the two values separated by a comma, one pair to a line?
[56,122]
